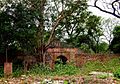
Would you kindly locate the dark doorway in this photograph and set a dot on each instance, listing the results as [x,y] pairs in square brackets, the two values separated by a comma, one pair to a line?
[61,59]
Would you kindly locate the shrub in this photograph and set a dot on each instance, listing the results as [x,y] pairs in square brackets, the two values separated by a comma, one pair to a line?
[107,66]
[1,72]
[39,69]
[113,64]
[17,71]
[117,73]
[67,69]
[60,69]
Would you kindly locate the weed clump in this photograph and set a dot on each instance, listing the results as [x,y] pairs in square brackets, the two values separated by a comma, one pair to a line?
[117,73]
[1,72]
[59,70]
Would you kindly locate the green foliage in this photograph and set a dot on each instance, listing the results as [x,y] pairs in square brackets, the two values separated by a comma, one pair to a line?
[1,72]
[17,71]
[87,32]
[91,66]
[115,64]
[116,31]
[18,28]
[115,44]
[67,69]
[39,69]
[102,76]
[80,28]
[85,47]
[102,47]
[117,73]
[108,66]
[111,65]
[66,82]
[28,23]
[59,70]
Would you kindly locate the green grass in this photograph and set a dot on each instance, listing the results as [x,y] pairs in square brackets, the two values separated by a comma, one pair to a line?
[17,71]
[102,76]
[108,66]
[68,69]
[1,72]
[91,66]
[59,70]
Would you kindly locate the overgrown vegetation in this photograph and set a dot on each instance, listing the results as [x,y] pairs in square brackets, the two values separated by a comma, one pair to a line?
[102,76]
[17,71]
[42,70]
[69,69]
[1,72]
[117,73]
[108,66]
[59,70]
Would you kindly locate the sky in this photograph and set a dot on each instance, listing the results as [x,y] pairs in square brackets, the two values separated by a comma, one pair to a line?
[97,12]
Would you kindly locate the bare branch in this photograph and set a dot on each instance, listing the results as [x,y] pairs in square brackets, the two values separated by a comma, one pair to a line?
[114,11]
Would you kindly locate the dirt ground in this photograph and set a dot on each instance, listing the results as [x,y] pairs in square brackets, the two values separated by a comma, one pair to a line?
[59,80]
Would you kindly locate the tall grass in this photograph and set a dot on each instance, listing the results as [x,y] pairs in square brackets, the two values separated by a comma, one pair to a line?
[17,71]
[108,66]
[39,69]
[1,71]
[59,70]
[68,69]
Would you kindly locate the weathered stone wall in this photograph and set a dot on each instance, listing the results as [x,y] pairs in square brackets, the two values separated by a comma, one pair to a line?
[83,58]
[72,54]
[69,53]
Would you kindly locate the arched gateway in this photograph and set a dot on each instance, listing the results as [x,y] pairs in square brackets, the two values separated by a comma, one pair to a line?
[61,59]
[65,54]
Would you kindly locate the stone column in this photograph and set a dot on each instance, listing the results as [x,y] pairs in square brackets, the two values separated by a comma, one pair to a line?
[7,69]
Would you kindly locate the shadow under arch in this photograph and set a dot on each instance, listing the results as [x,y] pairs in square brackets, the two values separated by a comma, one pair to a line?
[61,59]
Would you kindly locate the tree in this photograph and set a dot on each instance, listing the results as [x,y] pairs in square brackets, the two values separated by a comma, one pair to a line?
[71,27]
[17,30]
[55,13]
[46,15]
[4,33]
[107,28]
[85,47]
[108,6]
[94,31]
[83,28]
[115,44]
[103,47]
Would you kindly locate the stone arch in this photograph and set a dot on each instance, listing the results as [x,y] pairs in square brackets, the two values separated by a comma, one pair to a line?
[61,58]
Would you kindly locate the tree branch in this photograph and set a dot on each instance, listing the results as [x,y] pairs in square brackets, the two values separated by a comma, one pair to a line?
[54,25]
[106,11]
[61,16]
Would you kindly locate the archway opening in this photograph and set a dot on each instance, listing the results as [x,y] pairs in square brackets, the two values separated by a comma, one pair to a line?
[61,59]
